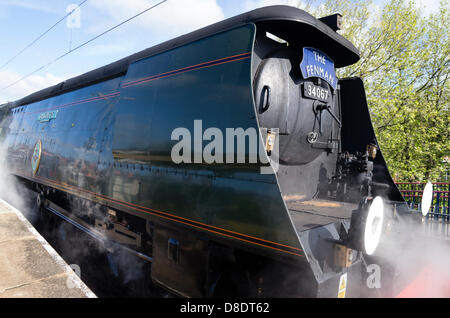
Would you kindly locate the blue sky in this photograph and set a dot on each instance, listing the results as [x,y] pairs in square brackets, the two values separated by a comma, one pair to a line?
[21,21]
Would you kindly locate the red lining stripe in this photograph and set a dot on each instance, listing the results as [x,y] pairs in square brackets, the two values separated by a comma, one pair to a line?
[171,216]
[82,101]
[148,79]
[132,83]
[157,78]
[129,204]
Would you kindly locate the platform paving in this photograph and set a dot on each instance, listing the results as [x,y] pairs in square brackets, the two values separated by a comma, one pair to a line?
[29,266]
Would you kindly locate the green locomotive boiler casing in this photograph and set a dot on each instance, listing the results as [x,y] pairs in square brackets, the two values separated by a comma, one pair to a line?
[105,139]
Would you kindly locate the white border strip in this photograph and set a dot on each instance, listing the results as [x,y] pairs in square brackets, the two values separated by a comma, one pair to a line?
[76,281]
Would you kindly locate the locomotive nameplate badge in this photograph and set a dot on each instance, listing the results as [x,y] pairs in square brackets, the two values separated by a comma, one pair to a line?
[315,63]
[36,157]
[47,116]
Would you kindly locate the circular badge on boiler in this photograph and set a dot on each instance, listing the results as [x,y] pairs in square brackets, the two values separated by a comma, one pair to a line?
[36,157]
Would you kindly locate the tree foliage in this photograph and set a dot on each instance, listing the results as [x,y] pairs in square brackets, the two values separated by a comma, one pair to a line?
[405,68]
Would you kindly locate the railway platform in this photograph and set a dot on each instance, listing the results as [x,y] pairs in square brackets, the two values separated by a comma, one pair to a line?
[29,266]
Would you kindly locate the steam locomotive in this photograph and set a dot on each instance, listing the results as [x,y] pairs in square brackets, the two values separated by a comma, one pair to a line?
[98,151]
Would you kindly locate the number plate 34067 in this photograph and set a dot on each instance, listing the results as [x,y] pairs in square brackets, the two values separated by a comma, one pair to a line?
[315,92]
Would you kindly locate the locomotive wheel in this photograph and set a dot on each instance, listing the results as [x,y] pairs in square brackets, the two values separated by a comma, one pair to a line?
[38,209]
[40,201]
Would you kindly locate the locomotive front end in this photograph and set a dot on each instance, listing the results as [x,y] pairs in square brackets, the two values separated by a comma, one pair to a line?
[332,176]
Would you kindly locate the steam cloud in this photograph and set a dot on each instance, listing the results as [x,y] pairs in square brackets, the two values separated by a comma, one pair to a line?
[418,250]
[9,189]
[68,241]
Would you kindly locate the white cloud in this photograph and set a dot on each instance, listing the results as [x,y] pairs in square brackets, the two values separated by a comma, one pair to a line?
[25,87]
[31,5]
[173,17]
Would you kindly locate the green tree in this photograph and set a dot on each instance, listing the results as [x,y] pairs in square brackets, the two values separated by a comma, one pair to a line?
[405,68]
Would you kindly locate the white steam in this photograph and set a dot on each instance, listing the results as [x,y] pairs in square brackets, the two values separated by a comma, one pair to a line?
[419,250]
